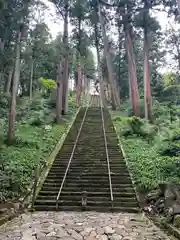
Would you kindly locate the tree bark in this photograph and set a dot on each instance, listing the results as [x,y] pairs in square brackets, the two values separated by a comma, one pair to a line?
[178,53]
[115,100]
[2,44]
[78,88]
[119,63]
[59,92]
[100,76]
[15,89]
[9,81]
[147,85]
[125,12]
[79,81]
[178,4]
[132,74]
[31,79]
[66,56]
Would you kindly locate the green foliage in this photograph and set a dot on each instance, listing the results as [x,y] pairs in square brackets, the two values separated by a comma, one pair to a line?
[36,119]
[4,104]
[2,127]
[170,149]
[33,140]
[48,83]
[159,109]
[170,144]
[5,100]
[151,162]
[153,24]
[169,79]
[172,93]
[134,126]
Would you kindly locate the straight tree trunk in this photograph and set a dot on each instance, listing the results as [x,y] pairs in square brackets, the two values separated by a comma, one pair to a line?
[66,56]
[130,80]
[115,100]
[147,85]
[15,89]
[178,53]
[2,44]
[119,65]
[178,4]
[83,87]
[125,12]
[31,79]
[78,89]
[86,88]
[9,80]
[109,92]
[132,75]
[79,80]
[59,92]
[100,76]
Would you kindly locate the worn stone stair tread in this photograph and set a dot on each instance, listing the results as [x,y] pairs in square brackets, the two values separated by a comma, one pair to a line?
[94,174]
[80,168]
[121,194]
[105,190]
[90,198]
[95,179]
[79,209]
[114,174]
[89,203]
[120,188]
[76,178]
[87,184]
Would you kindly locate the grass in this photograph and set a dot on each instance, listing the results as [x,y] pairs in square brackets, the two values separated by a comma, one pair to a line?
[148,148]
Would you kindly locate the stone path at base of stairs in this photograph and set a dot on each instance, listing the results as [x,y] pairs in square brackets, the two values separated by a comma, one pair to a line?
[79,226]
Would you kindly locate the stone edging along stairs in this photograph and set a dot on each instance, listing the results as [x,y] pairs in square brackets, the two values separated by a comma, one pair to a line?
[87,185]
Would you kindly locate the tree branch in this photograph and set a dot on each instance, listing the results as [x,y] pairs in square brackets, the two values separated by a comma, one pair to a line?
[107,4]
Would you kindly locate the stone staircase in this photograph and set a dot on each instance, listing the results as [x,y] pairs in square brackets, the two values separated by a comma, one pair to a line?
[88,171]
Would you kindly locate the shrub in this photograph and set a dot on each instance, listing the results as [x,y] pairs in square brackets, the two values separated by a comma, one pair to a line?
[137,126]
[48,83]
[170,149]
[37,119]
[159,109]
[5,100]
[172,93]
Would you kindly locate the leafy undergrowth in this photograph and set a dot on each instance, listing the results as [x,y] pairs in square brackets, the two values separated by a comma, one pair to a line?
[36,135]
[152,150]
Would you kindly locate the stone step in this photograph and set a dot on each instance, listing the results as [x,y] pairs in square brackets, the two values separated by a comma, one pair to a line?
[90,182]
[58,174]
[87,184]
[74,177]
[89,194]
[83,165]
[88,208]
[95,175]
[56,187]
[89,198]
[80,168]
[89,203]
